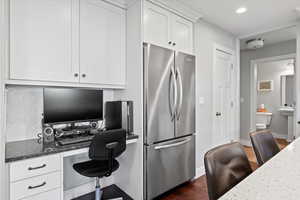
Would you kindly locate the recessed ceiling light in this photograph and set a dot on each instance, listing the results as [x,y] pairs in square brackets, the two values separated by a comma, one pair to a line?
[241,10]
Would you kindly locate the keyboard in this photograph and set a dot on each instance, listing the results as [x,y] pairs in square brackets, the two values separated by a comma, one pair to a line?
[74,140]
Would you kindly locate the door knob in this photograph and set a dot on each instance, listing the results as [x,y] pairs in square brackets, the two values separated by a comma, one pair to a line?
[76,74]
[170,42]
[83,75]
[174,43]
[218,114]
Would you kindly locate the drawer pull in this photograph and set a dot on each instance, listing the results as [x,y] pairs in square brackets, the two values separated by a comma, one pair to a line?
[36,186]
[39,167]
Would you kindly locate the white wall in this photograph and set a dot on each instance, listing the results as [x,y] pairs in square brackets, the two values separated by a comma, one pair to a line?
[272,99]
[283,48]
[206,35]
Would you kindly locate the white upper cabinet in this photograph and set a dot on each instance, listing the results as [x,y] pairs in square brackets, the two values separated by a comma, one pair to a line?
[102,43]
[70,41]
[182,34]
[166,29]
[41,40]
[157,24]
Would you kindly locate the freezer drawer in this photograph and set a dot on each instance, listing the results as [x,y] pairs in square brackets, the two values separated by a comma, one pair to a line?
[169,164]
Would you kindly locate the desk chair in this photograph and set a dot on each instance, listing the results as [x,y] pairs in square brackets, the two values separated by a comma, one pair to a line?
[225,167]
[104,148]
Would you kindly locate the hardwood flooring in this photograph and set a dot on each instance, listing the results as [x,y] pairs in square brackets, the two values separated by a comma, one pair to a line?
[197,189]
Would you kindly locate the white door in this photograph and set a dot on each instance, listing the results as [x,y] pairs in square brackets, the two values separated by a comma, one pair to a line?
[182,34]
[223,108]
[102,43]
[157,25]
[41,40]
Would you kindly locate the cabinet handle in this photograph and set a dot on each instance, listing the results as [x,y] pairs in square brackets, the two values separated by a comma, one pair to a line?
[76,74]
[83,75]
[36,186]
[174,43]
[39,167]
[170,42]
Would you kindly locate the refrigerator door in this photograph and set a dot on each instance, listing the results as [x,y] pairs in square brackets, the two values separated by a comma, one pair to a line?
[169,164]
[185,111]
[159,94]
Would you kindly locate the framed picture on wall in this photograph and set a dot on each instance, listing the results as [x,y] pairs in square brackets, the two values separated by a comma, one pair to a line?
[265,86]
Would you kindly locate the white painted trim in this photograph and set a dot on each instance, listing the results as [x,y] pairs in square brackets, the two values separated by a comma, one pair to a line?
[279,136]
[179,9]
[200,171]
[267,31]
[297,89]
[238,88]
[253,84]
[4,187]
[246,142]
[62,84]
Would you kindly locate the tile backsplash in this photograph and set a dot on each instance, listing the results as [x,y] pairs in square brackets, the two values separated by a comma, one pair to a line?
[24,108]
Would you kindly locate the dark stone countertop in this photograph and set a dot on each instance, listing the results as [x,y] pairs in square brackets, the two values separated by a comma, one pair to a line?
[24,149]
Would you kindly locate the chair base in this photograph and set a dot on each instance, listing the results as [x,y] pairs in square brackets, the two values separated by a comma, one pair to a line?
[108,193]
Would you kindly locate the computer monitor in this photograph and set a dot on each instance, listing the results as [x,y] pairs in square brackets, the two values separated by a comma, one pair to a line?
[69,105]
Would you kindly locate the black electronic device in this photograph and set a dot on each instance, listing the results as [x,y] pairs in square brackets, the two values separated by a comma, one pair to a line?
[69,105]
[48,134]
[119,115]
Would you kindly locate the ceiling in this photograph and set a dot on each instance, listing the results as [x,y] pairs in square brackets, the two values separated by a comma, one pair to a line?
[273,37]
[262,15]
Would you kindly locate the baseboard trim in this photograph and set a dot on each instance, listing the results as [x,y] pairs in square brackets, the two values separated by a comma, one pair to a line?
[279,136]
[200,171]
[246,142]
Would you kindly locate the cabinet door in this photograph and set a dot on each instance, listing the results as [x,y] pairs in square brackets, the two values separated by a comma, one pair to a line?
[157,24]
[182,34]
[102,43]
[41,40]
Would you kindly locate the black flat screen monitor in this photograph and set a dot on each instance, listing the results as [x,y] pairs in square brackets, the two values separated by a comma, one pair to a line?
[66,105]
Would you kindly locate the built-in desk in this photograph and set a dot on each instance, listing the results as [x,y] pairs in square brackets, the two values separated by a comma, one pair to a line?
[36,170]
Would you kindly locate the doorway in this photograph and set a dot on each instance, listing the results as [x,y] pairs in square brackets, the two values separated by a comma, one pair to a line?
[274,105]
[224,96]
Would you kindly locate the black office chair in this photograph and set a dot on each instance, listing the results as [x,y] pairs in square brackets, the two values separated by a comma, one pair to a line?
[104,148]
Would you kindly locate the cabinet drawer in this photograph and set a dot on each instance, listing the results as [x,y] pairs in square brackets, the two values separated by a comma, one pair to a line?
[51,195]
[33,186]
[34,167]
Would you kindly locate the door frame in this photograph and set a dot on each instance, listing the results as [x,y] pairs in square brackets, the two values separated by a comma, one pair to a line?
[253,86]
[234,91]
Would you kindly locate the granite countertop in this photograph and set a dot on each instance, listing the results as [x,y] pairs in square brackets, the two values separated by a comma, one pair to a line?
[277,179]
[20,150]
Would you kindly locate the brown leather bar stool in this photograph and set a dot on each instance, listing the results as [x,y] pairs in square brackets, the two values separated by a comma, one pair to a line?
[264,145]
[225,167]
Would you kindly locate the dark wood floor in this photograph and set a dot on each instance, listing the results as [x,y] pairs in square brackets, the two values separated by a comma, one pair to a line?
[197,189]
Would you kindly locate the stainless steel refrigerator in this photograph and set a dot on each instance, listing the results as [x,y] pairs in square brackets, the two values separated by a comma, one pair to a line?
[169,119]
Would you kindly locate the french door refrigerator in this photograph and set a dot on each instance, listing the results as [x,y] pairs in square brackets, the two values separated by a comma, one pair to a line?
[169,119]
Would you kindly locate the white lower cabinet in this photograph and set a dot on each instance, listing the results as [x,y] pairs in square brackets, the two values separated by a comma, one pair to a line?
[36,178]
[50,195]
[35,185]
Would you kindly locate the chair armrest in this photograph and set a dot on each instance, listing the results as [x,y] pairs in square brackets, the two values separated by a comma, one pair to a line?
[112,145]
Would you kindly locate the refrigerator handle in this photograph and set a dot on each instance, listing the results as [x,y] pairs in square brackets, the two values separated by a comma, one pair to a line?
[173,81]
[178,111]
[172,145]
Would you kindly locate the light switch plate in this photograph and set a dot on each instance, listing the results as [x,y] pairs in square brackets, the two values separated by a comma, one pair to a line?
[201,100]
